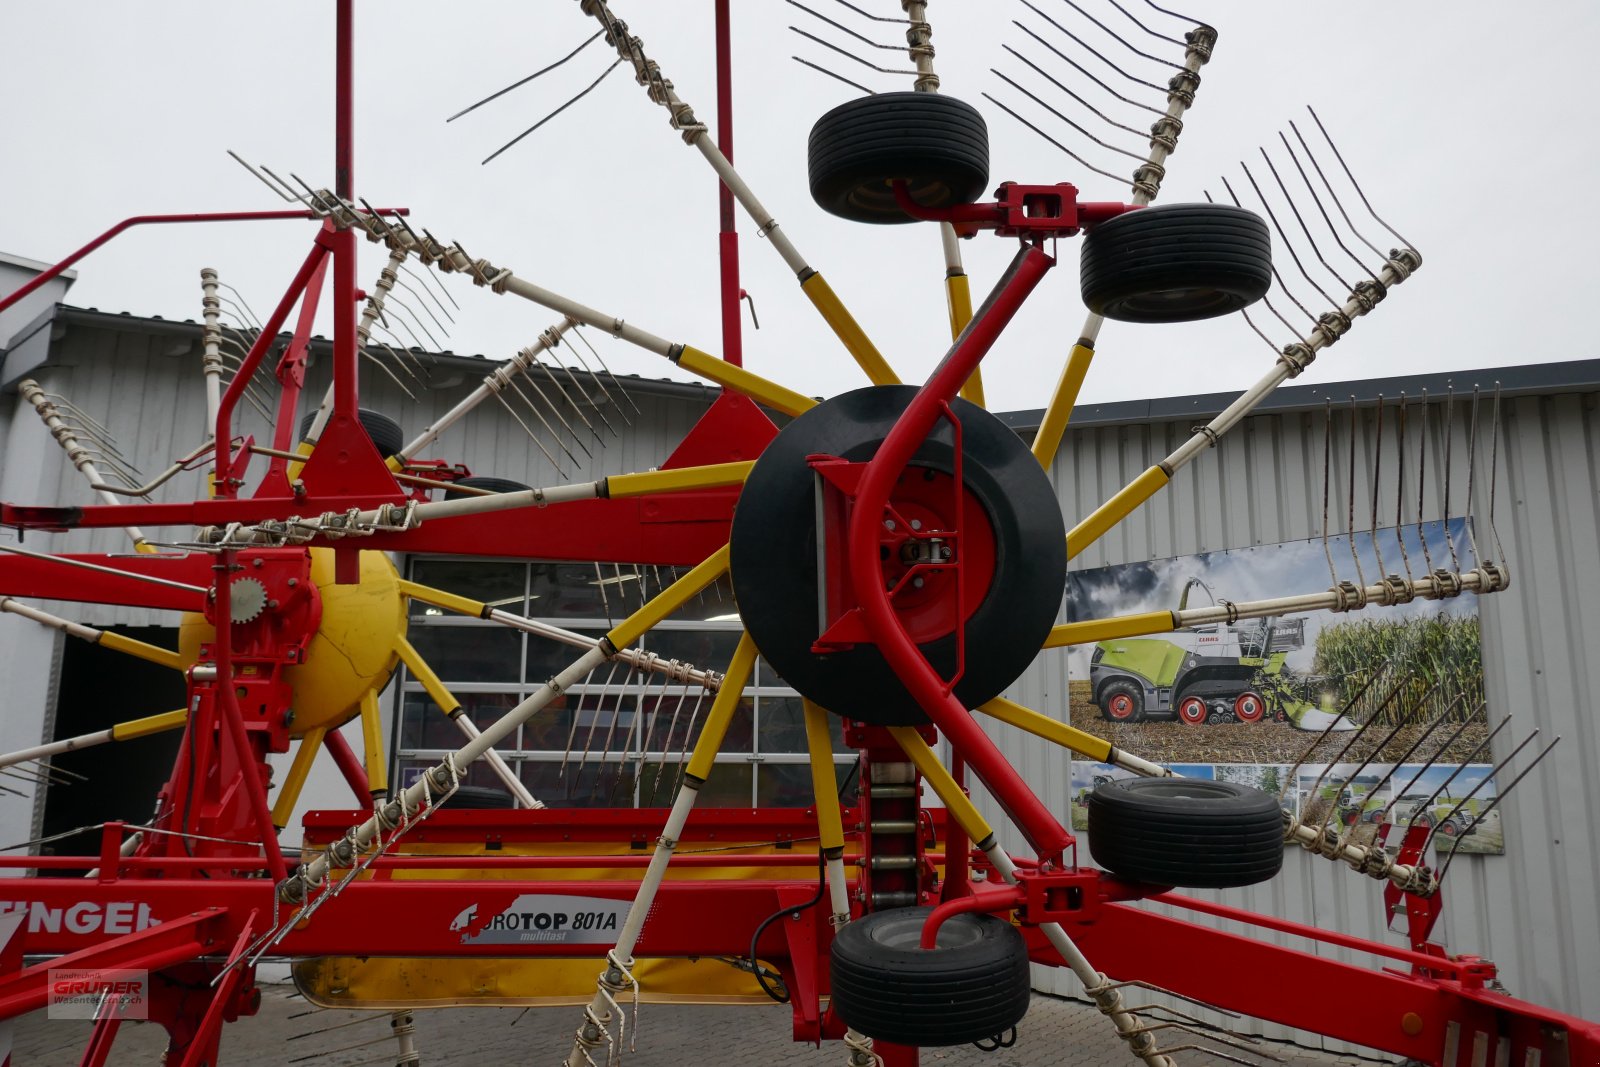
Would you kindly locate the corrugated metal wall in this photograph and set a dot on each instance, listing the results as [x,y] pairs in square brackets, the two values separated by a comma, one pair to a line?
[1536,910]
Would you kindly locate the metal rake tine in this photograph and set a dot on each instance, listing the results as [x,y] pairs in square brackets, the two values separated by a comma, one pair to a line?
[1122,40]
[1327,221]
[1422,482]
[573,378]
[845,29]
[1464,763]
[848,54]
[1431,760]
[254,319]
[1449,448]
[688,736]
[1495,803]
[597,379]
[1494,472]
[399,359]
[383,321]
[1327,730]
[1472,459]
[384,367]
[1282,234]
[666,742]
[1327,484]
[529,431]
[1129,15]
[1275,275]
[524,81]
[315,194]
[1079,159]
[1355,736]
[1379,747]
[550,374]
[401,305]
[1353,183]
[497,152]
[831,74]
[511,380]
[1377,482]
[1058,84]
[404,352]
[425,308]
[1494,768]
[258,175]
[594,722]
[1081,69]
[1337,203]
[309,206]
[1232,1040]
[1177,14]
[425,277]
[1350,524]
[611,733]
[1085,45]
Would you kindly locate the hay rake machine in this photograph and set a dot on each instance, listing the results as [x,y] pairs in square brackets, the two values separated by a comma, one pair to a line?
[896,554]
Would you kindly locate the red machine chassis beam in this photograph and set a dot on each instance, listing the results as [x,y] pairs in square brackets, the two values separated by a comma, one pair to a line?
[46,580]
[183,937]
[1403,1014]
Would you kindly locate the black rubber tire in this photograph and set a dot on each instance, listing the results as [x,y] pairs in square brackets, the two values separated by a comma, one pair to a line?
[479,798]
[973,986]
[773,556]
[1122,686]
[387,436]
[1176,263]
[938,145]
[493,485]
[1186,832]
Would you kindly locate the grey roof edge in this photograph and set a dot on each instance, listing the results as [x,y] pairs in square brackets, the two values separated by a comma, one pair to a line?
[13,260]
[1568,376]
[94,318]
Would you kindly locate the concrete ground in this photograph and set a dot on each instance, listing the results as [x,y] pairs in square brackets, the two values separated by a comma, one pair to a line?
[289,1031]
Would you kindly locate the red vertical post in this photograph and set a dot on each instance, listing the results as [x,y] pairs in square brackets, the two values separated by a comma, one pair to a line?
[728,238]
[344,246]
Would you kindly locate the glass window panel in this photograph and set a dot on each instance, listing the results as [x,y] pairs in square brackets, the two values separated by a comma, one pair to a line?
[470,653]
[788,785]
[479,774]
[715,602]
[783,726]
[570,590]
[550,729]
[707,649]
[546,657]
[596,785]
[423,725]
[499,584]
[605,723]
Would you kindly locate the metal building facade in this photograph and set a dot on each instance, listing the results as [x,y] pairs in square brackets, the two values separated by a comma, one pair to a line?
[1535,911]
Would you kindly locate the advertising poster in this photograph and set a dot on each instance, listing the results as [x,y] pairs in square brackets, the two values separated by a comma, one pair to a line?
[1278,703]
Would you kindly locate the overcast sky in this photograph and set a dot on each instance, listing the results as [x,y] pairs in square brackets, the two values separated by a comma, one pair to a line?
[1463,120]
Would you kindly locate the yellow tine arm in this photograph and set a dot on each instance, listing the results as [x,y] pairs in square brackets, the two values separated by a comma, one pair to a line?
[1047,441]
[669,600]
[295,780]
[960,806]
[372,743]
[849,331]
[958,297]
[425,674]
[151,724]
[754,386]
[149,653]
[1090,630]
[711,476]
[1113,511]
[1044,726]
[441,599]
[722,709]
[830,827]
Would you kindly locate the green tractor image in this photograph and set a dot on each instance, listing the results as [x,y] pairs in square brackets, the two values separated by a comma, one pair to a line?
[1439,813]
[1223,673]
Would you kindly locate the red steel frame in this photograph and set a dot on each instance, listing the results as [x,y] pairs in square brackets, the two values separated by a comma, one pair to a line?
[153,910]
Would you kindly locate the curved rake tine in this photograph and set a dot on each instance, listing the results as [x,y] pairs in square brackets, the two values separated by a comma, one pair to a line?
[1081,69]
[1422,482]
[596,354]
[1275,275]
[1284,237]
[1494,471]
[1064,118]
[1395,764]
[1494,769]
[385,368]
[1130,17]
[1176,14]
[401,305]
[1354,184]
[399,360]
[1338,205]
[1377,482]
[1426,804]
[831,74]
[1086,47]
[1304,229]
[1472,458]
[524,81]
[511,380]
[498,395]
[1350,521]
[577,409]
[1099,114]
[1081,161]
[1494,803]
[1400,485]
[849,54]
[1438,752]
[499,151]
[245,304]
[1122,40]
[1354,737]
[1323,736]
[1327,484]
[594,725]
[405,355]
[426,277]
[426,309]
[1449,448]
[847,30]
[259,176]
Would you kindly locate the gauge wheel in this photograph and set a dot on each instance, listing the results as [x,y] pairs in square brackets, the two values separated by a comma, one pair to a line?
[1186,832]
[1176,263]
